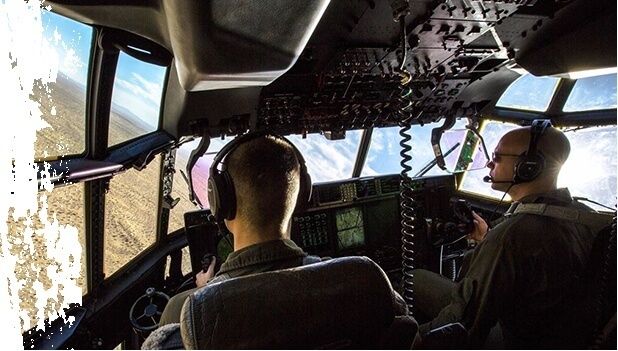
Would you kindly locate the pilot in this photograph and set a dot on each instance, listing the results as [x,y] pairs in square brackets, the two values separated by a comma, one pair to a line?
[524,268]
[269,177]
[264,172]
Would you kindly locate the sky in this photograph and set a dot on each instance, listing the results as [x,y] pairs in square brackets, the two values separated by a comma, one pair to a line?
[71,43]
[138,85]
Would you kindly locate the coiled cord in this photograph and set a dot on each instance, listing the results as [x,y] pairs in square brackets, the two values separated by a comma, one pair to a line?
[403,114]
[407,222]
[411,223]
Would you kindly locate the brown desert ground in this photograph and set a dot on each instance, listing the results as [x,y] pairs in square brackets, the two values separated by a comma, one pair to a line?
[131,203]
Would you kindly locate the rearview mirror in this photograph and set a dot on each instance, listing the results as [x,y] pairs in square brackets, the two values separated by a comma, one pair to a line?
[463,150]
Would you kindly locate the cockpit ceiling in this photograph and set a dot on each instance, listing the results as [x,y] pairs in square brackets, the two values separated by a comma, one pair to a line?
[337,65]
[211,38]
[215,44]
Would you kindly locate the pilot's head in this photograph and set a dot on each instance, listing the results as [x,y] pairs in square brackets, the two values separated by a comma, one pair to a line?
[265,172]
[534,172]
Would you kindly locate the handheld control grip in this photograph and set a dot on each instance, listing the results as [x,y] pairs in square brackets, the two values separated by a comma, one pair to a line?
[450,232]
[463,215]
[207,258]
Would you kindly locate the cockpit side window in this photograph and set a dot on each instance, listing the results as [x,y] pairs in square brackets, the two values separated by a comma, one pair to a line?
[56,221]
[136,100]
[180,187]
[53,228]
[592,93]
[132,202]
[472,182]
[130,215]
[590,171]
[201,172]
[63,102]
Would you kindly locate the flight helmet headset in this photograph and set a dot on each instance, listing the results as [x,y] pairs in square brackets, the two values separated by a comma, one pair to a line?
[221,192]
[531,163]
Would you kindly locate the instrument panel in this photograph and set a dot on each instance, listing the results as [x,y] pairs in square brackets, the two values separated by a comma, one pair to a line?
[353,217]
[362,216]
[359,216]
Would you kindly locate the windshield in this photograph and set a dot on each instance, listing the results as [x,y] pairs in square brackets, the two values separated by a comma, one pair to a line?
[529,93]
[328,160]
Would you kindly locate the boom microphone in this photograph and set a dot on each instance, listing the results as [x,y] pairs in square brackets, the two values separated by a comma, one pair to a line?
[488,179]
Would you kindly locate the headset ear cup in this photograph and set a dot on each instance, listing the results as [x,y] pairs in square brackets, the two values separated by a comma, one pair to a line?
[222,196]
[306,184]
[531,163]
[304,192]
[528,167]
[213,196]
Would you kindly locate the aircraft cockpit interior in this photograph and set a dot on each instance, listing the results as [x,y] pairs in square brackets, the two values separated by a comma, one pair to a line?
[398,108]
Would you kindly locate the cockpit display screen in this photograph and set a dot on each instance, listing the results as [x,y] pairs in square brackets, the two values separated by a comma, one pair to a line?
[350,228]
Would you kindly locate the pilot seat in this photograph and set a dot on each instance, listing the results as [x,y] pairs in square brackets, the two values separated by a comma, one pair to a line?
[341,303]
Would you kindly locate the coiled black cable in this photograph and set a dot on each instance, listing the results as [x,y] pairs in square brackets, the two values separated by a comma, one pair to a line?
[404,113]
[411,223]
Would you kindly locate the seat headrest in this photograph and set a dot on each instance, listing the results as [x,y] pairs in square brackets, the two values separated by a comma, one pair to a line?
[340,302]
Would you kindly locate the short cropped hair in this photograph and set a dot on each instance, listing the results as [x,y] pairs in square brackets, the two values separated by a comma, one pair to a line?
[266,176]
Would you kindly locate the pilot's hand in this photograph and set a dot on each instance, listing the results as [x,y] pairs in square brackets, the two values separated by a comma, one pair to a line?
[480,228]
[202,278]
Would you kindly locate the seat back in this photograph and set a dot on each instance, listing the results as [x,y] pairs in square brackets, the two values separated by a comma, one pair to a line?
[601,282]
[340,303]
[593,299]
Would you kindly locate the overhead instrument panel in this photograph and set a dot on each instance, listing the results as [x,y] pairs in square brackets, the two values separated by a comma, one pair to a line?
[336,87]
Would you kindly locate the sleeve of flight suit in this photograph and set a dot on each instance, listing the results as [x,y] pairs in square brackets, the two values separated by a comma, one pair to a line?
[488,284]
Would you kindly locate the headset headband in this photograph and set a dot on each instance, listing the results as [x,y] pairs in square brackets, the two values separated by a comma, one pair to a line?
[537,129]
[221,191]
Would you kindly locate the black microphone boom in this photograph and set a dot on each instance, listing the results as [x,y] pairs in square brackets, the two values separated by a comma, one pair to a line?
[488,179]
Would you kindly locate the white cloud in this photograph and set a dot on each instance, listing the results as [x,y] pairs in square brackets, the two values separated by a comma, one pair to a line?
[71,62]
[141,96]
[142,108]
[57,36]
[328,160]
[141,87]
[150,90]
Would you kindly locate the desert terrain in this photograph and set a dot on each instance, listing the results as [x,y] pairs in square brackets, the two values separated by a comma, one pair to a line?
[131,203]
